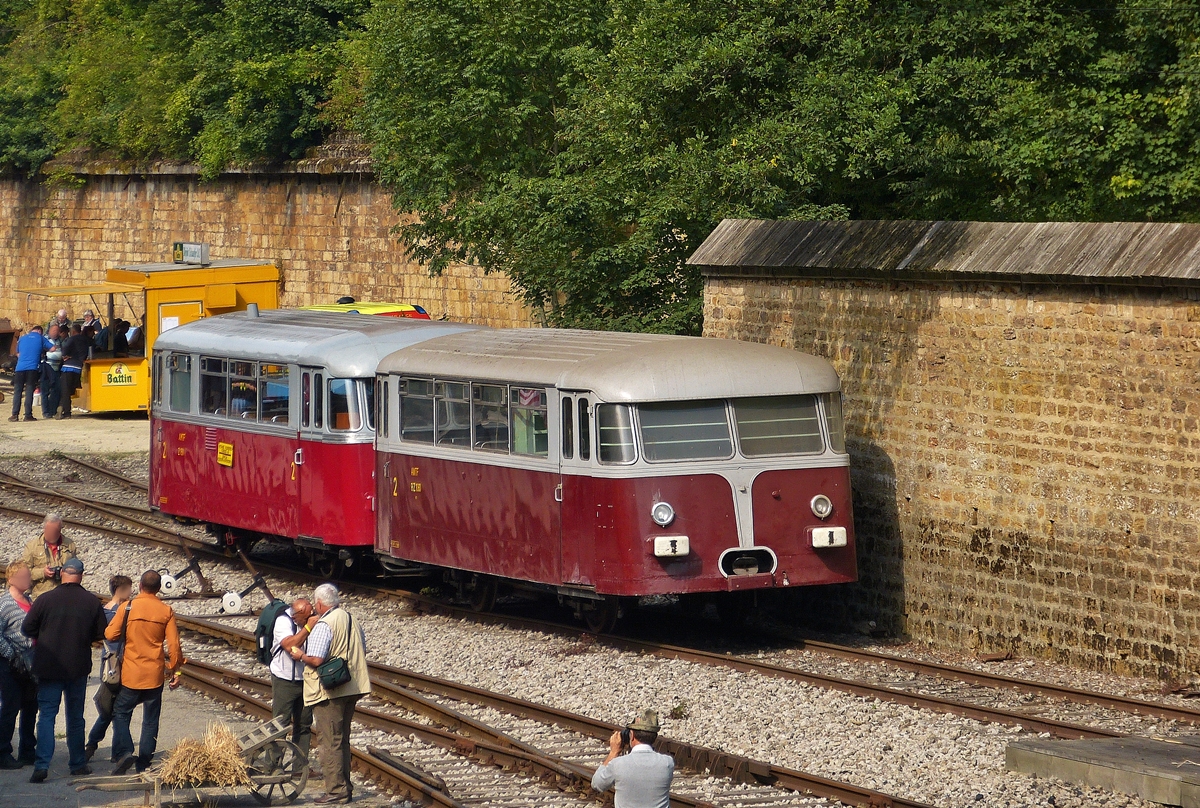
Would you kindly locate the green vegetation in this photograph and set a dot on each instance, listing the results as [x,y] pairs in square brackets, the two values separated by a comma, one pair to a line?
[584,148]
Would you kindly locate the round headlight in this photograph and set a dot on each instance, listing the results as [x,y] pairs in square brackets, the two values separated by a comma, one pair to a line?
[821,506]
[662,514]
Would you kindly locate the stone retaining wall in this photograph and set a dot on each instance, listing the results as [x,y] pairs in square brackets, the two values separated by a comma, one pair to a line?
[1026,459]
[328,232]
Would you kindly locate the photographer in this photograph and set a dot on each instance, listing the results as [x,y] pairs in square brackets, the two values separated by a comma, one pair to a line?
[642,776]
[46,555]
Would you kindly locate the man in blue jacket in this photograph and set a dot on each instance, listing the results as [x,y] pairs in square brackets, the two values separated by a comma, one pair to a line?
[29,361]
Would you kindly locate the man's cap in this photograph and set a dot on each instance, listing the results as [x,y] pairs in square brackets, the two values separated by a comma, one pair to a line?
[73,565]
[646,722]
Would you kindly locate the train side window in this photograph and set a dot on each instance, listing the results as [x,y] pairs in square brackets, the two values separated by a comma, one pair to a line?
[305,398]
[614,427]
[381,395]
[343,406]
[489,417]
[568,429]
[368,388]
[835,422]
[416,410]
[214,390]
[530,427]
[318,400]
[156,380]
[275,393]
[453,413]
[243,391]
[179,368]
[585,431]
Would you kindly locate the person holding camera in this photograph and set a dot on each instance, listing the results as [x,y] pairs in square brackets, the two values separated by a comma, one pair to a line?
[641,776]
[47,554]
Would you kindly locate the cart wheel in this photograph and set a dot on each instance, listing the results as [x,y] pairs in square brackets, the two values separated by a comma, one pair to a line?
[278,773]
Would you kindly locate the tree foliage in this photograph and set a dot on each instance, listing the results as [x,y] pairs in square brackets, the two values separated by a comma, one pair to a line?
[584,148]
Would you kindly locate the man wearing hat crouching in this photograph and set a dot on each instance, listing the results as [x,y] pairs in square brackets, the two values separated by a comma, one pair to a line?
[642,777]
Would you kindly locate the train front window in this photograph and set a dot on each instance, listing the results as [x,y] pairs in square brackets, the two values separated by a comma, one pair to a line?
[615,427]
[489,417]
[214,390]
[273,381]
[530,424]
[834,422]
[179,367]
[344,414]
[685,430]
[776,425]
[416,410]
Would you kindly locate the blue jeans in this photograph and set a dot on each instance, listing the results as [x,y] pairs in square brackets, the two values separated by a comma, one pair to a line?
[106,701]
[49,386]
[18,697]
[24,384]
[122,743]
[50,695]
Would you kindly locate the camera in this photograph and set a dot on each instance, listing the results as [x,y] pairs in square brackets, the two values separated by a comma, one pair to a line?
[626,743]
[56,572]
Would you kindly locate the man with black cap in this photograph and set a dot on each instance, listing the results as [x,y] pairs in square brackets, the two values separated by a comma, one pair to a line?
[641,776]
[65,622]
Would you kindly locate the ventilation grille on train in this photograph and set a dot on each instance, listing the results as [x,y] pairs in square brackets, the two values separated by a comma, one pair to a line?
[210,439]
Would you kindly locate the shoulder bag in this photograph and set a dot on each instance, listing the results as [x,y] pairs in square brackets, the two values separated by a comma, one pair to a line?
[334,672]
[110,668]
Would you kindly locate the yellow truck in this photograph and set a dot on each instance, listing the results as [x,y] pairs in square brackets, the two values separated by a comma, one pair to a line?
[161,296]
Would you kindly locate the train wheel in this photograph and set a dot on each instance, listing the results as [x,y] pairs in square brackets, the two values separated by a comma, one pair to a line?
[481,593]
[602,616]
[327,565]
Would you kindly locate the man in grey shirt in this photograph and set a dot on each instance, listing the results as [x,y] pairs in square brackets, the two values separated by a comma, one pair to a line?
[642,777]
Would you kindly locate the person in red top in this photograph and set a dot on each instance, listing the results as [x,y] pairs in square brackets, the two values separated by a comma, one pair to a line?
[143,670]
[18,689]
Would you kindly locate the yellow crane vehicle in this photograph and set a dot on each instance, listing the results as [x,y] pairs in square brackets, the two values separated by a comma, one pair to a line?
[161,296]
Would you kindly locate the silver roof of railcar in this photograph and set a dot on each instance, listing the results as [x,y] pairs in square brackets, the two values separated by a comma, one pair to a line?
[348,345]
[618,367]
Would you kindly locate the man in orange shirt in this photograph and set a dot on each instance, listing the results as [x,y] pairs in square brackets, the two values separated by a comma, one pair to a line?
[143,669]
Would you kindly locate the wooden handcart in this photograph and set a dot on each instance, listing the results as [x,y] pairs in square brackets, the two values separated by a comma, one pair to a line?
[278,771]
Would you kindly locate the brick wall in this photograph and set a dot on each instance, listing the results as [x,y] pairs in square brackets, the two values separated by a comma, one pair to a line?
[1026,459]
[328,232]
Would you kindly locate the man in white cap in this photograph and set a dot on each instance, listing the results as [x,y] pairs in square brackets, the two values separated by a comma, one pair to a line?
[642,777]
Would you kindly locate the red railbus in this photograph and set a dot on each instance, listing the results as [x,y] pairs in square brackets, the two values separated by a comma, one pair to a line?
[605,467]
[262,425]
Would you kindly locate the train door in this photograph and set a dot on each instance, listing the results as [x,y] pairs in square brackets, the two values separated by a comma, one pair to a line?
[312,433]
[580,512]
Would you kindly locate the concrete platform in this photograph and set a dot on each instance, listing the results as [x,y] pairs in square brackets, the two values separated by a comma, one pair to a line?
[1161,770]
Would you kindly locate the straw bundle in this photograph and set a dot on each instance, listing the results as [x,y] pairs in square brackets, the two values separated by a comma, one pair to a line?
[216,761]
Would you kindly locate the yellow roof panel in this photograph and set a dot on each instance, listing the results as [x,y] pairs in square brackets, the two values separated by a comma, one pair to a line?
[108,288]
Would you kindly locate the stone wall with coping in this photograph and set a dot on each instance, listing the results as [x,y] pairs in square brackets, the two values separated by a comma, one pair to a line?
[327,226]
[1026,458]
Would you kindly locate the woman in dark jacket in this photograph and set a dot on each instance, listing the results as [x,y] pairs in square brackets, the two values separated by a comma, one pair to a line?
[18,688]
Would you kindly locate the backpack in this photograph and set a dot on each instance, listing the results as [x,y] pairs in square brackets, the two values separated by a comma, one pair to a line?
[264,632]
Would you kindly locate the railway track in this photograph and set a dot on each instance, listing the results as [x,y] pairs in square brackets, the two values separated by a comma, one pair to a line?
[903,693]
[574,738]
